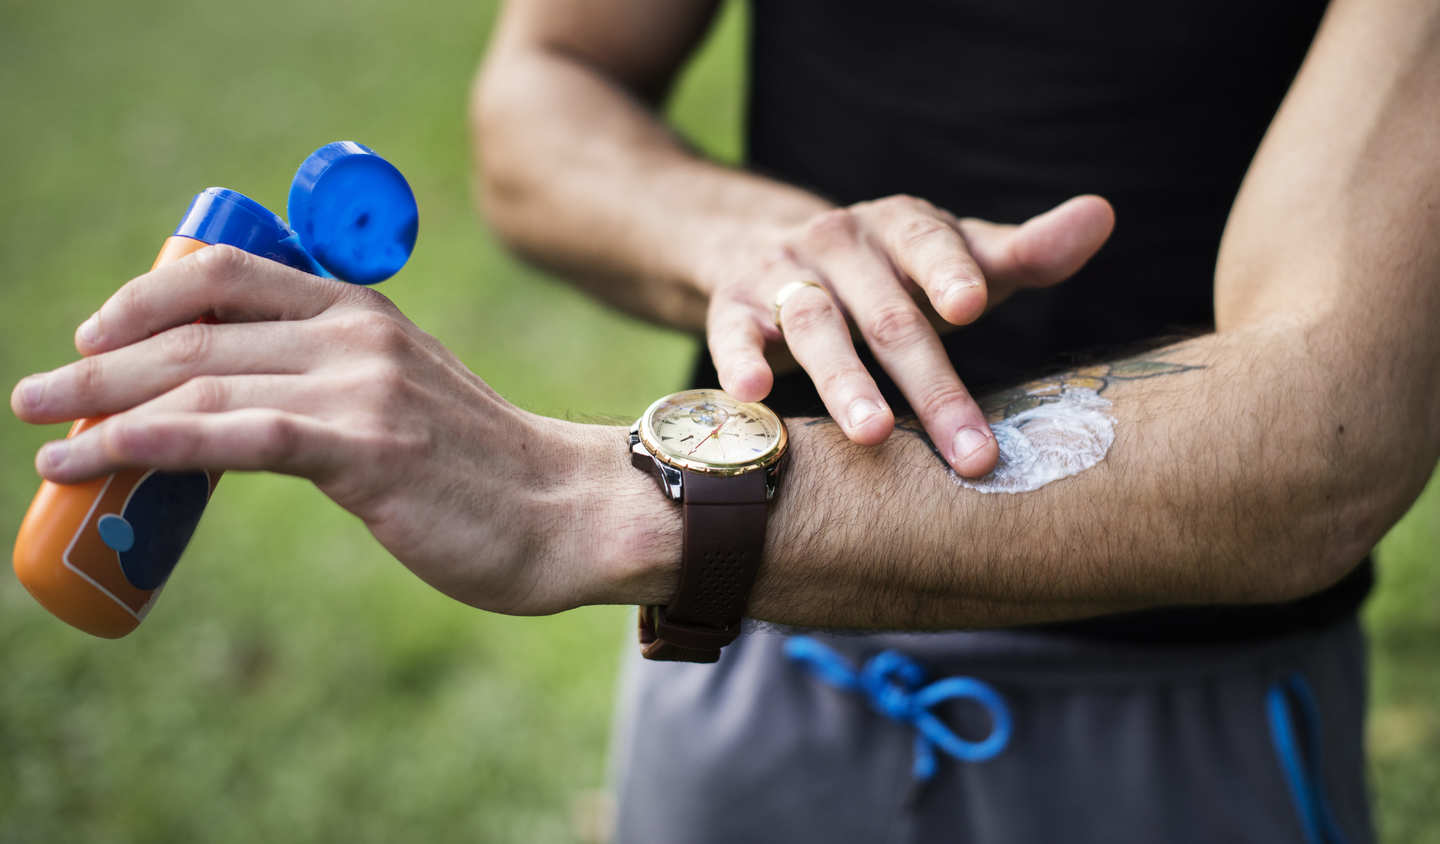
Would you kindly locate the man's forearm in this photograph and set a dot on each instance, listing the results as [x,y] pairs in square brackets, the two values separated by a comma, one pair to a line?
[580,174]
[1245,467]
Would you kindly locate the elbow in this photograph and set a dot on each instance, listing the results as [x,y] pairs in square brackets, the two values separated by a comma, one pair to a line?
[1351,531]
[501,202]
[501,188]
[1352,512]
[1341,437]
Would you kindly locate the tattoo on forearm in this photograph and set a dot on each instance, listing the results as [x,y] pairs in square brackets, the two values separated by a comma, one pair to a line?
[1016,400]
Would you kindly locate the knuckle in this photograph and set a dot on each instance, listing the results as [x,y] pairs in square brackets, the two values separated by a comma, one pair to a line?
[119,439]
[934,400]
[89,376]
[374,329]
[127,440]
[836,227]
[389,382]
[369,297]
[778,260]
[186,345]
[808,313]
[206,394]
[902,203]
[832,382]
[129,301]
[916,232]
[278,438]
[896,325]
[1026,264]
[343,327]
[220,263]
[726,301]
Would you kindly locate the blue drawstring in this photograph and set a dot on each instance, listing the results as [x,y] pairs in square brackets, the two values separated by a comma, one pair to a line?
[892,682]
[1303,775]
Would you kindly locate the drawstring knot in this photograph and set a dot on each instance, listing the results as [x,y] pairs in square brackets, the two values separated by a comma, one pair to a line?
[893,683]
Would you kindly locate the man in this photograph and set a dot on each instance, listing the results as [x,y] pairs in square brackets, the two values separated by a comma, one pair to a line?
[1255,464]
[1001,110]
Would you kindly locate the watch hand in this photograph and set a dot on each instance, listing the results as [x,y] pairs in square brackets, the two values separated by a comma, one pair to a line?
[708,436]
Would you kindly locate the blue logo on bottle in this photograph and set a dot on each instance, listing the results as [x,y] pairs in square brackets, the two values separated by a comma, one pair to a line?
[158,521]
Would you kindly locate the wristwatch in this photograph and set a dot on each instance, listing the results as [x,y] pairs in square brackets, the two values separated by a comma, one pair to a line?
[720,459]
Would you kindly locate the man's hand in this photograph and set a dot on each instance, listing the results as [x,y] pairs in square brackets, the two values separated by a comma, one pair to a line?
[887,265]
[649,226]
[329,381]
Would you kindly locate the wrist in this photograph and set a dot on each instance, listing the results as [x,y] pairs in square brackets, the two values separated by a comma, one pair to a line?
[624,535]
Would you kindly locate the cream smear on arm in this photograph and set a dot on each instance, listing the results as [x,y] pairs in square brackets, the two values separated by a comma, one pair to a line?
[1061,437]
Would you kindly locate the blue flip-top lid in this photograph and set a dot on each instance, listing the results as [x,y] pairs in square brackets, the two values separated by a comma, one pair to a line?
[353,217]
[354,212]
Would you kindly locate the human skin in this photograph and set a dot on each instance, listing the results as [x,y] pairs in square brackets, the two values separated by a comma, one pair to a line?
[1257,463]
[656,229]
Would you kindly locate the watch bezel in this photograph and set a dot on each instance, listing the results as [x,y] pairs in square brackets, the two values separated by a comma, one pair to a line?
[646,435]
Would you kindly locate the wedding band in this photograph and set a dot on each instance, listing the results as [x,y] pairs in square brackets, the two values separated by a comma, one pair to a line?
[789,290]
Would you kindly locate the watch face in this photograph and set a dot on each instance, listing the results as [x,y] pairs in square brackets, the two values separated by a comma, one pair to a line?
[708,431]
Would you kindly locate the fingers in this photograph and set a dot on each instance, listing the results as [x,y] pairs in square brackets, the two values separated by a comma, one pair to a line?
[250,439]
[1044,250]
[219,281]
[910,351]
[737,347]
[819,338]
[113,381]
[221,394]
[872,256]
[926,247]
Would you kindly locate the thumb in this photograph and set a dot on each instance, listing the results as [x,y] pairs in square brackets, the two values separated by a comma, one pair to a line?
[1045,249]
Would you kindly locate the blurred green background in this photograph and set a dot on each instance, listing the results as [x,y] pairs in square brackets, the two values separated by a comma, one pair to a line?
[294,683]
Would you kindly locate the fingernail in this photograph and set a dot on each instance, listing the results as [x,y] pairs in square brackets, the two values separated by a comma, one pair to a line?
[53,454]
[860,410]
[968,441]
[32,390]
[89,330]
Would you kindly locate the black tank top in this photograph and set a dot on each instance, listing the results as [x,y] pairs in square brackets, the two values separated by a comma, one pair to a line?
[1003,108]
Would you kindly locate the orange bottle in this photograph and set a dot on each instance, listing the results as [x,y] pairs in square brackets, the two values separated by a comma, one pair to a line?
[87,529]
[96,554]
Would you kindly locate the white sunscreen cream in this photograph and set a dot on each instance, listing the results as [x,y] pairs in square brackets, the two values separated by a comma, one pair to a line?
[1047,442]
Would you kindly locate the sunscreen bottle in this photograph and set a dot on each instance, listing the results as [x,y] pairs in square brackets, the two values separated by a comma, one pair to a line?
[96,554]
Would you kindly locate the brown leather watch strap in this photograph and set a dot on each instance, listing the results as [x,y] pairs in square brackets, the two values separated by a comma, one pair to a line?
[724,524]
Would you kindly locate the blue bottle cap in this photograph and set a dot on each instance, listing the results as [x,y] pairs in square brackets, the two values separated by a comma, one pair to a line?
[354,213]
[221,215]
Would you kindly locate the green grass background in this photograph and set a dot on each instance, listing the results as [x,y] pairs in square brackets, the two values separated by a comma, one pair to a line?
[294,683]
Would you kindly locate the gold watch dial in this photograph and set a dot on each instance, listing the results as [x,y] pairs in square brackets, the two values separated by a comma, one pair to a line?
[709,431]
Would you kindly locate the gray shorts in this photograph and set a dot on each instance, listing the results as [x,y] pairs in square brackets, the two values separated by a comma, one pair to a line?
[1109,742]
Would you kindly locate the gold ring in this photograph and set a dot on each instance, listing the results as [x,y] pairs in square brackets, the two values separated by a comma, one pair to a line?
[789,290]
